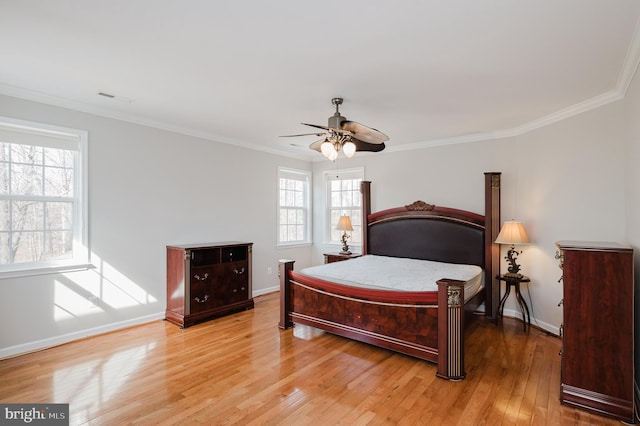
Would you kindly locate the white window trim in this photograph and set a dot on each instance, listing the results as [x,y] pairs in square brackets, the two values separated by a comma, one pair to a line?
[82,253]
[308,217]
[326,231]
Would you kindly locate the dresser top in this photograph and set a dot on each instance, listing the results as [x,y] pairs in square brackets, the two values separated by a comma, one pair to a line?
[209,245]
[592,245]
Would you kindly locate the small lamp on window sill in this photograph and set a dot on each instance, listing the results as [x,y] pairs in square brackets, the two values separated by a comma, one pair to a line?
[344,224]
[513,233]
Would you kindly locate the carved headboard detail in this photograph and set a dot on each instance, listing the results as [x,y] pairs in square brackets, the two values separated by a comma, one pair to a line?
[420,206]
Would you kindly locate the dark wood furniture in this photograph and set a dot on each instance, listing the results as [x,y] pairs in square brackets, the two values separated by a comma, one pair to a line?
[205,281]
[514,280]
[597,370]
[337,257]
[427,325]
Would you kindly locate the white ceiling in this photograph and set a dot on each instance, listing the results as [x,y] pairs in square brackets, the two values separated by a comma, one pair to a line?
[246,71]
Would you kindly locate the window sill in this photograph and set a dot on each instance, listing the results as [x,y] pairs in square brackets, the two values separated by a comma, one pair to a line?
[28,272]
[293,245]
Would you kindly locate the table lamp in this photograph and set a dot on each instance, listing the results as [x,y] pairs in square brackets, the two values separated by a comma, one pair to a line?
[344,224]
[512,233]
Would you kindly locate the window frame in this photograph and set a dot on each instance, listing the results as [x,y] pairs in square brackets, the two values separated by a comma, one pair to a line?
[330,175]
[306,177]
[58,137]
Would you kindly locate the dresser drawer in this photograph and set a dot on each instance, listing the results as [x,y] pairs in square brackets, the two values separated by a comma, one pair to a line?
[234,287]
[202,293]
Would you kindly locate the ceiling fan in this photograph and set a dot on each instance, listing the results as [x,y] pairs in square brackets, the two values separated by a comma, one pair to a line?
[342,134]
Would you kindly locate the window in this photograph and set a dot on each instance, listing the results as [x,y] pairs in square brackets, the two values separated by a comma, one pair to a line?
[344,198]
[42,198]
[294,207]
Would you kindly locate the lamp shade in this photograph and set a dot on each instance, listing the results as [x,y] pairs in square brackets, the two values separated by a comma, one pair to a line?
[344,224]
[512,233]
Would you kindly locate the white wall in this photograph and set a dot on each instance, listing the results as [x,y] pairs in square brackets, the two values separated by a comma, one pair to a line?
[563,181]
[632,186]
[147,188]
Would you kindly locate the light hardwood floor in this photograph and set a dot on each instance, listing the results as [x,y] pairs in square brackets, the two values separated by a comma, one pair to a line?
[241,369]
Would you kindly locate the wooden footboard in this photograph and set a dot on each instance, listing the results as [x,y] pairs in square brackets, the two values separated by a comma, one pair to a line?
[386,319]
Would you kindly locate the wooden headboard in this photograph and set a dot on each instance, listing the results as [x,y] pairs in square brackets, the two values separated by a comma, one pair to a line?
[426,234]
[424,231]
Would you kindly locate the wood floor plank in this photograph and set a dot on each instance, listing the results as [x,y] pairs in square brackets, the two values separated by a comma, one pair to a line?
[242,370]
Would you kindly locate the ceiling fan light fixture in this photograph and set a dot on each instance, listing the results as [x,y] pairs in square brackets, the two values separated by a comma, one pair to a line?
[326,148]
[333,156]
[349,149]
[343,135]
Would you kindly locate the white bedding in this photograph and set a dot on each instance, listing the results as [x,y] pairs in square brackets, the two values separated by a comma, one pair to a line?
[400,274]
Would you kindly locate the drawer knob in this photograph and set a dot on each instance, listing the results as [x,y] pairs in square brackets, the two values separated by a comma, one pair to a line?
[239,271]
[204,299]
[561,302]
[201,278]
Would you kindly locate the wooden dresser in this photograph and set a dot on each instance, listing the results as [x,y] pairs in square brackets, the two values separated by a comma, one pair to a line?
[597,368]
[205,281]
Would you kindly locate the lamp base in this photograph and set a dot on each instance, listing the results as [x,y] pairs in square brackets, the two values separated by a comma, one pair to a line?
[345,246]
[514,268]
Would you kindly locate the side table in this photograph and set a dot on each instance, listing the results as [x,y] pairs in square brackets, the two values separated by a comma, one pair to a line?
[515,280]
[337,257]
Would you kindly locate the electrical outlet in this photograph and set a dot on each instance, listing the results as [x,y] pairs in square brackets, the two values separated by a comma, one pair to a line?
[269,270]
[93,301]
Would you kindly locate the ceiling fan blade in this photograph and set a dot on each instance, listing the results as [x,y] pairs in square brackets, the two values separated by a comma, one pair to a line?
[317,144]
[331,129]
[364,133]
[366,146]
[302,134]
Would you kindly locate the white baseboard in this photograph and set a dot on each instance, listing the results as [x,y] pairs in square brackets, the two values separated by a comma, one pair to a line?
[49,342]
[266,290]
[534,321]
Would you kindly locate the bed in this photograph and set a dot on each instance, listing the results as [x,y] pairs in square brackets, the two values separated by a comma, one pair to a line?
[427,324]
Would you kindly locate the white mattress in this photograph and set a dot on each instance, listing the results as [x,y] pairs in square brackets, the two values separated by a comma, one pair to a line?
[399,274]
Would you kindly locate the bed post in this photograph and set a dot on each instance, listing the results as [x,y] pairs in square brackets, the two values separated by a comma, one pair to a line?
[492,250]
[285,293]
[450,329]
[365,190]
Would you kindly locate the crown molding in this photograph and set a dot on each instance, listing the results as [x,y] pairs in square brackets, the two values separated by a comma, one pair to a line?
[31,95]
[627,73]
[631,62]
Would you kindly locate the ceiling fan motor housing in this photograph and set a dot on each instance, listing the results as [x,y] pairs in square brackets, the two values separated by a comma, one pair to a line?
[335,121]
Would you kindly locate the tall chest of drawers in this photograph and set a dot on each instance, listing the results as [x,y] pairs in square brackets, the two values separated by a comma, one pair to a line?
[597,367]
[205,281]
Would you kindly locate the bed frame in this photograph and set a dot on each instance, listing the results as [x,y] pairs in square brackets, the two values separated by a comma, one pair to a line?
[427,325]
